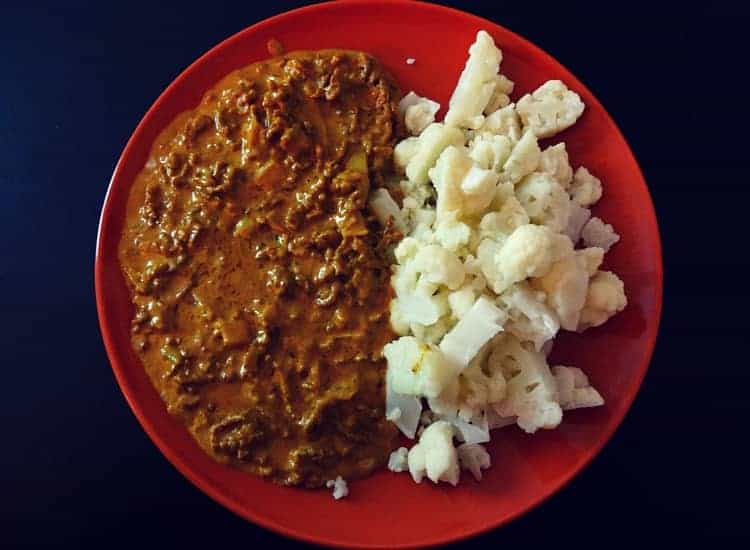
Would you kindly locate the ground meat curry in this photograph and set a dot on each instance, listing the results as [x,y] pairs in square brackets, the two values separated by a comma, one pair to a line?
[259,278]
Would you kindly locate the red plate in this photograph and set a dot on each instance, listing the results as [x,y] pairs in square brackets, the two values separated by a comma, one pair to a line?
[389,510]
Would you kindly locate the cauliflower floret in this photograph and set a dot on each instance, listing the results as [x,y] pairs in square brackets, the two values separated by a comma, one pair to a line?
[530,319]
[479,385]
[404,152]
[523,159]
[598,233]
[340,489]
[500,95]
[416,300]
[476,84]
[550,109]
[577,218]
[531,389]
[489,151]
[487,251]
[432,334]
[435,455]
[529,251]
[402,410]
[398,461]
[503,122]
[605,297]
[416,194]
[416,368]
[545,200]
[593,258]
[462,186]
[461,300]
[565,285]
[418,112]
[406,249]
[554,161]
[498,225]
[477,327]
[439,266]
[451,233]
[431,142]
[574,390]
[475,458]
[399,322]
[385,208]
[586,188]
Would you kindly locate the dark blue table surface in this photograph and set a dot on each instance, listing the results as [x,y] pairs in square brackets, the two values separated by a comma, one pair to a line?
[75,467]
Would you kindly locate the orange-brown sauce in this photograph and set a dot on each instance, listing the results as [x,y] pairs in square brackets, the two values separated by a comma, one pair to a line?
[259,278]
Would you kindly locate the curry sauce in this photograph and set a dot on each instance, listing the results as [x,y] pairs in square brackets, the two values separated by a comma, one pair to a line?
[259,279]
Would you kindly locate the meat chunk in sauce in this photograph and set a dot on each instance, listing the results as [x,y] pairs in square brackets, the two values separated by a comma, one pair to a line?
[258,278]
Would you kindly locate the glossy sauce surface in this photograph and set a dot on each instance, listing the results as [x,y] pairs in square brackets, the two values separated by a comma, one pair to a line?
[259,279]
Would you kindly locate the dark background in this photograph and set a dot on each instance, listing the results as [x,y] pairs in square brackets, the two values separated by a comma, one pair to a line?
[75,467]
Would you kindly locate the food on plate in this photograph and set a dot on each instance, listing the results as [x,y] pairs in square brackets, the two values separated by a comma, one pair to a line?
[316,262]
[500,253]
[259,274]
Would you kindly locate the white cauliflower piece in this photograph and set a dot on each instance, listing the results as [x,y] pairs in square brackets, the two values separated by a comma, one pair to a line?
[416,194]
[404,152]
[431,143]
[476,84]
[574,390]
[451,233]
[504,122]
[461,300]
[577,218]
[529,251]
[406,249]
[340,489]
[439,266]
[487,252]
[403,410]
[501,223]
[489,151]
[399,322]
[593,257]
[473,429]
[473,457]
[605,298]
[480,384]
[434,455]
[550,109]
[586,188]
[417,368]
[565,285]
[477,327]
[398,461]
[385,208]
[416,299]
[531,389]
[598,233]
[554,161]
[530,319]
[432,334]
[418,112]
[545,200]
[523,159]
[462,186]
[500,95]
